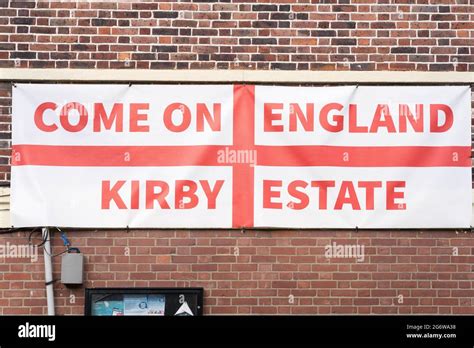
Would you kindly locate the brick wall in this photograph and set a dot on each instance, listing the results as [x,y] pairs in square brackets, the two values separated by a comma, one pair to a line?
[254,272]
[5,132]
[266,272]
[430,35]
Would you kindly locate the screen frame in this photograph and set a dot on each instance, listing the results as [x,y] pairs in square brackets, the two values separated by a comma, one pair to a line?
[199,292]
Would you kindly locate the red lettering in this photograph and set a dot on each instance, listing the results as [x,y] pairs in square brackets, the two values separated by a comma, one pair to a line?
[369,192]
[64,117]
[116,116]
[211,194]
[39,114]
[297,114]
[338,119]
[392,195]
[136,116]
[160,197]
[415,122]
[168,117]
[185,189]
[112,194]
[353,127]
[301,196]
[347,195]
[135,195]
[269,117]
[268,194]
[387,122]
[203,113]
[434,118]
[323,191]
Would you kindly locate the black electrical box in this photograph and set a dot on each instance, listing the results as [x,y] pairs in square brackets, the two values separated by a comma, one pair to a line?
[144,301]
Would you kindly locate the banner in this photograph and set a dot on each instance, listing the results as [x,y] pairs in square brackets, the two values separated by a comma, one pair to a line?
[222,156]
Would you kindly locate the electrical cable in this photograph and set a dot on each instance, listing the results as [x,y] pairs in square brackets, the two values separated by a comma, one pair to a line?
[66,243]
[43,239]
[46,237]
[58,254]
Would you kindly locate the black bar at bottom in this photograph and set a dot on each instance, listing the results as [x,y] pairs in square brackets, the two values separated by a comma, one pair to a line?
[347,331]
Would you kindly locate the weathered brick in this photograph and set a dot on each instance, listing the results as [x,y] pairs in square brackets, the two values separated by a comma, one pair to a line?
[21,4]
[7,47]
[103,22]
[165,14]
[382,25]
[164,48]
[344,42]
[23,21]
[165,31]
[264,41]
[265,24]
[441,67]
[403,50]
[264,8]
[23,55]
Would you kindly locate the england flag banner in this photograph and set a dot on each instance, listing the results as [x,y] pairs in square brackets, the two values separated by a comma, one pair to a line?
[241,156]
